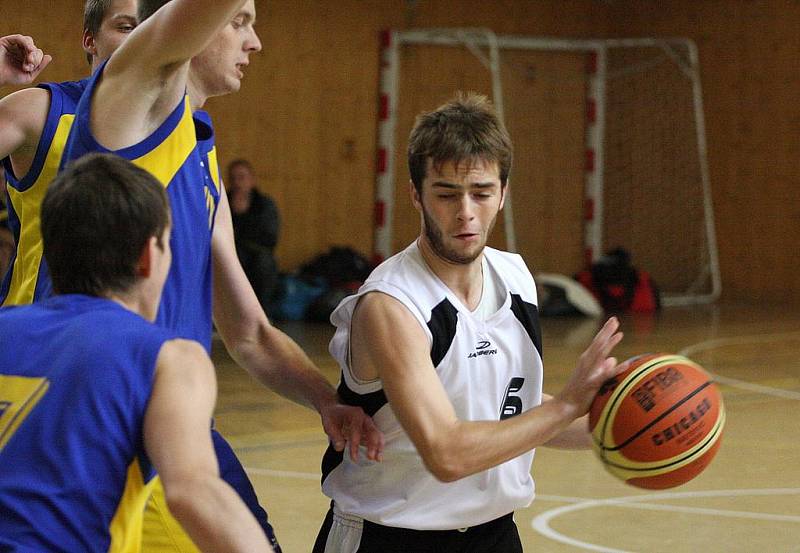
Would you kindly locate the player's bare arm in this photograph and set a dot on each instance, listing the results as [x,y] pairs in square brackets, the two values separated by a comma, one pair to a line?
[388,343]
[574,436]
[273,357]
[22,114]
[147,76]
[179,444]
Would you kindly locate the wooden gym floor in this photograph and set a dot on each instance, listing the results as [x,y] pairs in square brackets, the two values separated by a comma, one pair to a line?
[747,500]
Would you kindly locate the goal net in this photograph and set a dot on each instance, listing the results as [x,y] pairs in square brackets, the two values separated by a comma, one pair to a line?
[609,148]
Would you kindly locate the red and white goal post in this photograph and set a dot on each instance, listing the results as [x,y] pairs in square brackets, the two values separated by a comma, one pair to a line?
[642,169]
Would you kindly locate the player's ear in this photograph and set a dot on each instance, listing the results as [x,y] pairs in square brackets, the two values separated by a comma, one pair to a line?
[503,192]
[145,264]
[88,43]
[416,200]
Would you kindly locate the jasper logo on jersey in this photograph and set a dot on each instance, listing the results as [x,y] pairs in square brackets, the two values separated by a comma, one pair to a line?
[482,348]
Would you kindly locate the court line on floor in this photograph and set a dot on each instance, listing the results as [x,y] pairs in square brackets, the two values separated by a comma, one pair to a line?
[541,523]
[634,502]
[688,351]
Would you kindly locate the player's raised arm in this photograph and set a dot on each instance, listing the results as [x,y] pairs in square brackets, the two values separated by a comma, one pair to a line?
[149,74]
[173,31]
[23,113]
[389,342]
[179,444]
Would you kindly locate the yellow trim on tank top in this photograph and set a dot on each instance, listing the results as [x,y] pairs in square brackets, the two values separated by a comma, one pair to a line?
[161,532]
[27,205]
[166,159]
[213,167]
[126,526]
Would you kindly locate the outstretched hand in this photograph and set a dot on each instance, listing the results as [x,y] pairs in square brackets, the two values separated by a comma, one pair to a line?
[595,366]
[348,425]
[20,60]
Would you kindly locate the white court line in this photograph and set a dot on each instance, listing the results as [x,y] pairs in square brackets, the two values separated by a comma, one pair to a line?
[541,523]
[633,502]
[735,341]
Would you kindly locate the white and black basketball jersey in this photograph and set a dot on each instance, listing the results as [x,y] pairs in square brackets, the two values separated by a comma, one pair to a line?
[491,369]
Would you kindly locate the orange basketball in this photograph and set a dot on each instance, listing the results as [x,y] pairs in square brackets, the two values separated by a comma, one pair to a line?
[658,424]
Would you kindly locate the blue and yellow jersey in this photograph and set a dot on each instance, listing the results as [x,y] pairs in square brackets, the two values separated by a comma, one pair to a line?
[27,279]
[182,156]
[76,374]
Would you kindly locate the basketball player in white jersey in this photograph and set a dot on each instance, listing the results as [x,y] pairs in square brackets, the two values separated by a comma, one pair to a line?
[442,347]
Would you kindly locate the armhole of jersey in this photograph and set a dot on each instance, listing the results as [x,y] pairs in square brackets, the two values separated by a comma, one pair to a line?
[393,292]
[145,152]
[55,104]
[141,148]
[349,358]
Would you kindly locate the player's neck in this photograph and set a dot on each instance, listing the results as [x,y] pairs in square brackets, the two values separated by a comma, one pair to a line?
[465,280]
[137,303]
[197,97]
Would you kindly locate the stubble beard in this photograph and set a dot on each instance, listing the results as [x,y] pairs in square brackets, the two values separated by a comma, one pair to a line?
[435,238]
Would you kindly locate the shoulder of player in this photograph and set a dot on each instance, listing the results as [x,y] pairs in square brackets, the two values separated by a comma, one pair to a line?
[501,256]
[402,270]
[509,265]
[378,310]
[27,109]
[184,356]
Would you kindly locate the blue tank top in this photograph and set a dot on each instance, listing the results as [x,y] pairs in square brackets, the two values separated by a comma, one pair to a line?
[27,278]
[182,156]
[76,374]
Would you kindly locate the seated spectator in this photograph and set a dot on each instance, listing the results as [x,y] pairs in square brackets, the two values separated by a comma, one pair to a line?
[256,224]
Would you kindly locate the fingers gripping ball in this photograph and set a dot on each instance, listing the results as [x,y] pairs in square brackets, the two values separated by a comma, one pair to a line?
[659,423]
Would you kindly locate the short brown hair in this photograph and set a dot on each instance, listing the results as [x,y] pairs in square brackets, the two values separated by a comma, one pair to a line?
[94,11]
[463,129]
[97,217]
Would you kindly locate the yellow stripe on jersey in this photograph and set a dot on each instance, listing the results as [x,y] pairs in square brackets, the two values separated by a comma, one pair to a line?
[161,532]
[214,167]
[27,205]
[18,396]
[213,170]
[167,158]
[126,526]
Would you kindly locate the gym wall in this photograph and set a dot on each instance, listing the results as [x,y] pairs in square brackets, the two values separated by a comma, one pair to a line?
[306,115]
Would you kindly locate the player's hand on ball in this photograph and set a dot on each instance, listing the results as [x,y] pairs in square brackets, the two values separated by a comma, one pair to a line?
[595,366]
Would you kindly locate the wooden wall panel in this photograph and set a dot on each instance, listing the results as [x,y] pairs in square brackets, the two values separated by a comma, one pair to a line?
[748,57]
[315,88]
[306,115]
[57,29]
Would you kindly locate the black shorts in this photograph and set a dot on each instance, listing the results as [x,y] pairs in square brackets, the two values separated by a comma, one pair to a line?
[341,533]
